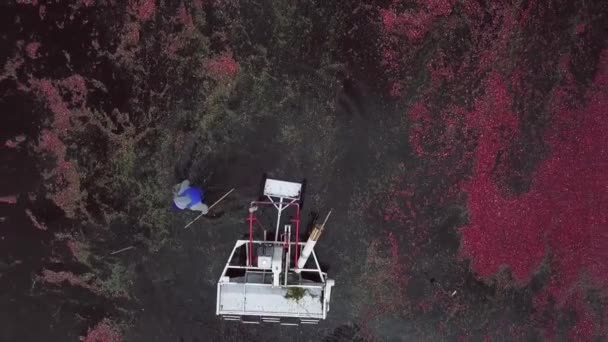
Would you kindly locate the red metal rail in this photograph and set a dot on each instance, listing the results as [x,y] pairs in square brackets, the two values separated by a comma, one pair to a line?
[252,218]
[297,222]
[250,256]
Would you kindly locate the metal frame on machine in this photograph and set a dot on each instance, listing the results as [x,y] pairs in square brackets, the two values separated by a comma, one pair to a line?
[281,195]
[324,284]
[255,294]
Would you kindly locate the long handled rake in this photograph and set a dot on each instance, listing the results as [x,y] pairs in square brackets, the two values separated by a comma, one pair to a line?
[211,206]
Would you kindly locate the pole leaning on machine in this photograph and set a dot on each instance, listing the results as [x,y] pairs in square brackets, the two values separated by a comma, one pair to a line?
[311,242]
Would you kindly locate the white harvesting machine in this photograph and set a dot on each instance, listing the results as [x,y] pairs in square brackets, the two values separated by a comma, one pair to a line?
[273,278]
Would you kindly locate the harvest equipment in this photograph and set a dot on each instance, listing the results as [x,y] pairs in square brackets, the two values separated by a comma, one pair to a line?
[271,277]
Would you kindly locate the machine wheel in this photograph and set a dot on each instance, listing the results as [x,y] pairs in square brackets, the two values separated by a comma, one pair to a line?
[261,188]
[302,193]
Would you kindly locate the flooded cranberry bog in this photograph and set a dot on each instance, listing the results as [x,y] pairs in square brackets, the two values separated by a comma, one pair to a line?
[462,145]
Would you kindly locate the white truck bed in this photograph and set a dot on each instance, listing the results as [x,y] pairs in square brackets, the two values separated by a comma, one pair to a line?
[265,300]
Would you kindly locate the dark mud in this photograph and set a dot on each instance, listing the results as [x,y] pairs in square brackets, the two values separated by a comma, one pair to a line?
[426,125]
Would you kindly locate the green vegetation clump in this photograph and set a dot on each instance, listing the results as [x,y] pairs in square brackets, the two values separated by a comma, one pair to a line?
[295,293]
[118,282]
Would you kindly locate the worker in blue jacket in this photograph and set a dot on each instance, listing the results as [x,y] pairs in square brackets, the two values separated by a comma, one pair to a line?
[189,197]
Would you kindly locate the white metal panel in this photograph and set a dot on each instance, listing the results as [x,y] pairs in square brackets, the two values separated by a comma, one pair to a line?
[265,300]
[277,265]
[278,188]
[264,261]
